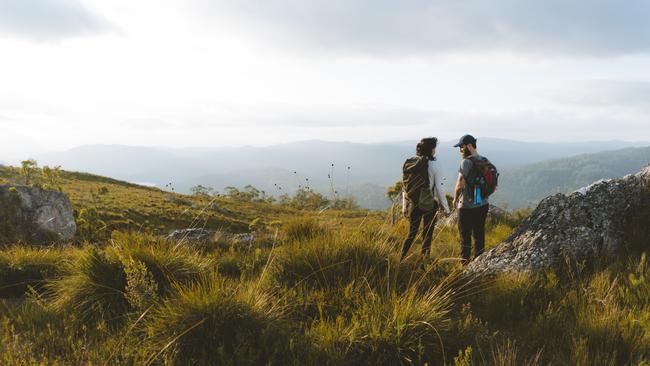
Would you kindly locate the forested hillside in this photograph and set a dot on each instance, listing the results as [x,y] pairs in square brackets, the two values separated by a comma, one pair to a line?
[525,186]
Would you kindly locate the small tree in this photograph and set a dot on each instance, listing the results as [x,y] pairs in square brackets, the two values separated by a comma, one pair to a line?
[306,199]
[52,175]
[247,194]
[28,169]
[202,191]
[347,203]
[394,193]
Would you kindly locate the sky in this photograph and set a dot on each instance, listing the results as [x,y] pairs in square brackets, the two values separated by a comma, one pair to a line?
[208,73]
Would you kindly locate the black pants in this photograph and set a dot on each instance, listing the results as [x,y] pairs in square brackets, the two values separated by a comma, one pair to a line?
[472,221]
[429,221]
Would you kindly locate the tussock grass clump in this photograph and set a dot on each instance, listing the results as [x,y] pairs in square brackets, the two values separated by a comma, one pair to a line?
[212,323]
[167,262]
[94,287]
[511,298]
[302,229]
[136,270]
[22,267]
[332,261]
[397,329]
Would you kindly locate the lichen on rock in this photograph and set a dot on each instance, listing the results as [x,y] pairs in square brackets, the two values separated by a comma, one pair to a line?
[594,221]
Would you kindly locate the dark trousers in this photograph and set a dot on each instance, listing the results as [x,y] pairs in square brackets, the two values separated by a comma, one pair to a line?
[428,219]
[471,221]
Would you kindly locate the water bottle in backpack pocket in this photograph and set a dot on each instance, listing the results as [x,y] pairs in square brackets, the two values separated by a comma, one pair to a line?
[477,195]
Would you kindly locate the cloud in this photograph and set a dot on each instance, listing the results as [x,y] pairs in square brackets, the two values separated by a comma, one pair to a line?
[321,116]
[48,20]
[145,123]
[618,94]
[416,27]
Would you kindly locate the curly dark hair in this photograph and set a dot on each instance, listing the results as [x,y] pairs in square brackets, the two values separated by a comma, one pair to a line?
[425,146]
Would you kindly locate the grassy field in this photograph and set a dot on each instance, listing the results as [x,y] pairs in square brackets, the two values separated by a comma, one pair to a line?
[311,289]
[105,204]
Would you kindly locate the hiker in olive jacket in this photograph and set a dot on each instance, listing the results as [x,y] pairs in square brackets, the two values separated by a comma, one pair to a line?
[422,182]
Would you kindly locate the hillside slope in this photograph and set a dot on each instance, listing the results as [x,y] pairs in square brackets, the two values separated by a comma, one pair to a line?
[526,185]
[107,204]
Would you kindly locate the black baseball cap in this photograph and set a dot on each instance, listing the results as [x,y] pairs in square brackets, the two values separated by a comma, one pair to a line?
[467,139]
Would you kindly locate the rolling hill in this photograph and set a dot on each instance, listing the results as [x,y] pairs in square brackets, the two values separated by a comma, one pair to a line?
[525,186]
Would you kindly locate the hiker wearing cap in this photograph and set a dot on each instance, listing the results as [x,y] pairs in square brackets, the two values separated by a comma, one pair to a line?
[476,181]
[422,182]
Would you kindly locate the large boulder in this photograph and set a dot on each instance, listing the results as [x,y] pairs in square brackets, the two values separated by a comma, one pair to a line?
[597,220]
[42,214]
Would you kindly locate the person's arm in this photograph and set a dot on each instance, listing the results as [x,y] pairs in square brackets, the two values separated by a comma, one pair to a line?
[458,190]
[404,204]
[438,189]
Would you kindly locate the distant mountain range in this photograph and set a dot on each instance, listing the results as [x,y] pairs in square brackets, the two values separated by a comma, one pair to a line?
[361,170]
[526,185]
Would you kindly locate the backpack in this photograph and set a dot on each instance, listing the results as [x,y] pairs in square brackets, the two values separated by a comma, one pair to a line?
[415,180]
[485,175]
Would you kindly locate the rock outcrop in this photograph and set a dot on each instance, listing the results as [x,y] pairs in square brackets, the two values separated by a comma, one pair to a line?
[596,220]
[44,214]
[200,236]
[197,235]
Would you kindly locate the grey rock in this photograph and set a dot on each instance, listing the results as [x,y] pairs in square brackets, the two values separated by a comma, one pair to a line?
[48,210]
[593,221]
[197,235]
[201,237]
[245,239]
